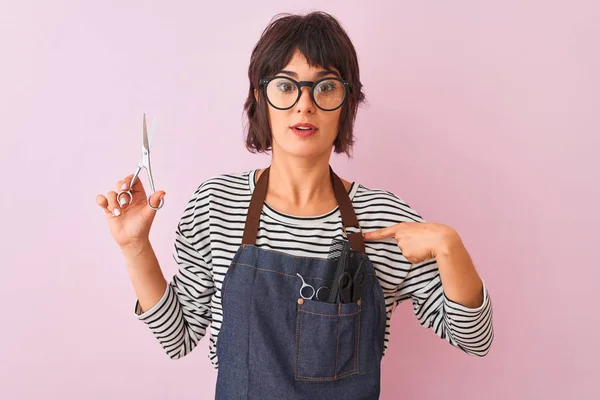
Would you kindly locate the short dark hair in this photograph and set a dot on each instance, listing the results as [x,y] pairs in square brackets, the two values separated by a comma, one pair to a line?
[323,41]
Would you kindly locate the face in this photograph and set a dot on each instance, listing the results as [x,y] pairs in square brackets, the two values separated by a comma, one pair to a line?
[293,142]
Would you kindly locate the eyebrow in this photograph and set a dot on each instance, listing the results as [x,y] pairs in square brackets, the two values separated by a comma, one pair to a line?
[320,74]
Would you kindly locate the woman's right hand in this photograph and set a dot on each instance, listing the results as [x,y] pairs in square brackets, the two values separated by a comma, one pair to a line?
[129,224]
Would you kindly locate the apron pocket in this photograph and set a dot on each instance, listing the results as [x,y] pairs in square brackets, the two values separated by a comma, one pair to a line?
[327,340]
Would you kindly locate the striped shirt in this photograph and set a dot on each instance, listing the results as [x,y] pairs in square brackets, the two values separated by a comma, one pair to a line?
[210,232]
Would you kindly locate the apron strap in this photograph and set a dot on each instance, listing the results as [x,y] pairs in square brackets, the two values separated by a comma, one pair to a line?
[349,219]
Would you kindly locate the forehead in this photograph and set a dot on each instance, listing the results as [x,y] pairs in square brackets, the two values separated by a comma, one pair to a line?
[298,63]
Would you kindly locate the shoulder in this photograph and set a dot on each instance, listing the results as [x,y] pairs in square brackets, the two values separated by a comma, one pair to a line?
[383,204]
[237,183]
[222,192]
[232,179]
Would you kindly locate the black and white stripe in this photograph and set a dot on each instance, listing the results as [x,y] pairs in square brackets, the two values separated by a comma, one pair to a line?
[210,232]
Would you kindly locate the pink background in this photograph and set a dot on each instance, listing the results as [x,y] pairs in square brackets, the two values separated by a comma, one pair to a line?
[482,115]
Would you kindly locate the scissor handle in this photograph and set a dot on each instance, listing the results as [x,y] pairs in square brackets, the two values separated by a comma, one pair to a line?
[345,281]
[359,281]
[359,274]
[128,191]
[305,285]
[324,297]
[122,193]
[162,202]
[130,199]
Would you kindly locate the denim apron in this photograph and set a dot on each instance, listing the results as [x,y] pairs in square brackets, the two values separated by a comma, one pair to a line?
[273,344]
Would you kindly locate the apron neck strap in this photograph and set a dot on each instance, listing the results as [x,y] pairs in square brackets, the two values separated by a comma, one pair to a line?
[349,219]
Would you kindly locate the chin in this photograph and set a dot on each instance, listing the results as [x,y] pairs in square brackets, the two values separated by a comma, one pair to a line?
[306,150]
[309,154]
[308,147]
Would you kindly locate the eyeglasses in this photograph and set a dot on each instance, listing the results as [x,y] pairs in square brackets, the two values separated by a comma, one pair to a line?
[283,93]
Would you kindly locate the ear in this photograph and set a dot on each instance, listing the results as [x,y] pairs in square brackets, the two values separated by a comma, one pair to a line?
[256,94]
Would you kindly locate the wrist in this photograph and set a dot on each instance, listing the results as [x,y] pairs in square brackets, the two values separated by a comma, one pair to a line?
[449,243]
[135,249]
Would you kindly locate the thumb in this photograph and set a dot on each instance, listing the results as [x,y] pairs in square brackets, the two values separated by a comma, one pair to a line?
[156,197]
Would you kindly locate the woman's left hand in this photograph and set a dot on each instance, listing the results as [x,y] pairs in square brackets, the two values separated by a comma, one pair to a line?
[418,241]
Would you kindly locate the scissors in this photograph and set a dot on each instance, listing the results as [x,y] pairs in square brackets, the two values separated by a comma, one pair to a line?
[351,287]
[313,293]
[144,163]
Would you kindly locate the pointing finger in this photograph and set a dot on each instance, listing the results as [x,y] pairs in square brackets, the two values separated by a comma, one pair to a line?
[383,233]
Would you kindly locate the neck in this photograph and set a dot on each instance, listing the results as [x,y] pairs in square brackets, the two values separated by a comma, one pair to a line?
[298,184]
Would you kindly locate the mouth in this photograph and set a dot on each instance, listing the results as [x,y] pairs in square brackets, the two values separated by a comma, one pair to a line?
[304,130]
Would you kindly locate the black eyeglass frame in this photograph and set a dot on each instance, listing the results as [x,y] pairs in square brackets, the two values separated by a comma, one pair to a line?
[264,82]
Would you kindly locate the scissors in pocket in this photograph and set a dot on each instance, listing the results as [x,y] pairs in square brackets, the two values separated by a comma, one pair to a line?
[313,292]
[145,164]
[351,287]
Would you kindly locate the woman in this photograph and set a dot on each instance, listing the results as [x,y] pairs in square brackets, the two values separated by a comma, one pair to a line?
[259,252]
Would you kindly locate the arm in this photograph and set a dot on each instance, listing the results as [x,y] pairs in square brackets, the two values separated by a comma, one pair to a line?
[426,255]
[467,328]
[145,273]
[177,313]
[459,277]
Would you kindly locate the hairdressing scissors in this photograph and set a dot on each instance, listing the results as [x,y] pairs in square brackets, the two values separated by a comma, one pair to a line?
[313,293]
[358,281]
[351,286]
[144,163]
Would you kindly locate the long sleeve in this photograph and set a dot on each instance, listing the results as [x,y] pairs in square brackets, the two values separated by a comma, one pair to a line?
[469,329]
[181,317]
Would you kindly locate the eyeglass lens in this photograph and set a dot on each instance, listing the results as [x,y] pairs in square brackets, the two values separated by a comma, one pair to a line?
[283,93]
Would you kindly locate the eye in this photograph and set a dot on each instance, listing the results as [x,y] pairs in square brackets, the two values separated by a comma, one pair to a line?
[285,86]
[327,86]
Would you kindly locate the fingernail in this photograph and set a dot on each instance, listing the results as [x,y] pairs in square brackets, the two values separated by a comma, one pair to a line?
[123,201]
[116,212]
[124,186]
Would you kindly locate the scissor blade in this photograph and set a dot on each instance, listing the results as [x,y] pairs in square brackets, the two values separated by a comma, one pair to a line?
[145,136]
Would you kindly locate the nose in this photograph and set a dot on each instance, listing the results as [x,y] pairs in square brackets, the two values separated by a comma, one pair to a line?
[305,103]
